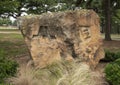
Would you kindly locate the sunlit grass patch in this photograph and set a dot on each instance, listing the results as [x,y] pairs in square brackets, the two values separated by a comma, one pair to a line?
[11,37]
[8,27]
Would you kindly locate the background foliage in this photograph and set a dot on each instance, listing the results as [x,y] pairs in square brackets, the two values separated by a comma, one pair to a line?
[7,67]
[16,8]
[112,71]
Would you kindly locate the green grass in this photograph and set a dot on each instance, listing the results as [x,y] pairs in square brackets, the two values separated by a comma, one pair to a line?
[9,30]
[12,44]
[11,37]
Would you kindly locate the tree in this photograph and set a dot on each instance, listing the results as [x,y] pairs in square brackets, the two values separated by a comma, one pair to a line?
[106,9]
[15,7]
[107,12]
[8,7]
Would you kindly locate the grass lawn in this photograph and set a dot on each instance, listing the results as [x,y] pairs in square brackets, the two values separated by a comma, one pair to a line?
[12,45]
[2,30]
[9,29]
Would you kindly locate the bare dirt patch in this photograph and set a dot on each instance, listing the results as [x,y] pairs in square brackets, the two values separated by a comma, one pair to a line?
[113,45]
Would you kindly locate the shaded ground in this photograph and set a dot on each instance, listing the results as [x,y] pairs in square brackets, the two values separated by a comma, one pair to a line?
[113,45]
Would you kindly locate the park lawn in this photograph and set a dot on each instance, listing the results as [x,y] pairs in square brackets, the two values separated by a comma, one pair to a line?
[12,45]
[8,27]
[11,30]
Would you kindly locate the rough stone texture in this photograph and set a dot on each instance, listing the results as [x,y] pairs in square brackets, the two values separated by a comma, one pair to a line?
[69,35]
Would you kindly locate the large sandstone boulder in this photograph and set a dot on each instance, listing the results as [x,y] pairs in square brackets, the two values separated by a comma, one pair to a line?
[69,35]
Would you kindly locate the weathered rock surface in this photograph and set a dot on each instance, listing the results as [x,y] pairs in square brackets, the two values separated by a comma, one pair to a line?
[70,35]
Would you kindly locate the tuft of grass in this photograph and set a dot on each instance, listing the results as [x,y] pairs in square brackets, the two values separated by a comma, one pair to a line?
[81,75]
[26,76]
[60,73]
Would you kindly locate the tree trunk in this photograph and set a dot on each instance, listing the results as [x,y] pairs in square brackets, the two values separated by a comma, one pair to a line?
[118,30]
[107,20]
